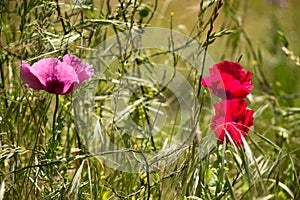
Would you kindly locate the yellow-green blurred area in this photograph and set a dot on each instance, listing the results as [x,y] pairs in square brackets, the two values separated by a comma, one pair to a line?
[263,35]
[262,27]
[260,18]
[267,24]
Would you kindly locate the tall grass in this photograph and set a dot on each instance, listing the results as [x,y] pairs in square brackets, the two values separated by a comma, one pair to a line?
[37,164]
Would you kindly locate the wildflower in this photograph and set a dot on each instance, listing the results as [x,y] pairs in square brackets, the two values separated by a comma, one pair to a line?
[232,118]
[58,76]
[228,80]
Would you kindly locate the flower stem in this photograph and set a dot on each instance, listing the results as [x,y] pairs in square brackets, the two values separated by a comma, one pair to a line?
[54,116]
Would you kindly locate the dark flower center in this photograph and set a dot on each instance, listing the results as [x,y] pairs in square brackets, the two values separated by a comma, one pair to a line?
[225,94]
[235,119]
[55,86]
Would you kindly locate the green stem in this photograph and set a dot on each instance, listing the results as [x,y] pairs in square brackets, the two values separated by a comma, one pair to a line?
[54,116]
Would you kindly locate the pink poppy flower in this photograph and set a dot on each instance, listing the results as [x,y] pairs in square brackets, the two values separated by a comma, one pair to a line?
[228,80]
[233,117]
[58,76]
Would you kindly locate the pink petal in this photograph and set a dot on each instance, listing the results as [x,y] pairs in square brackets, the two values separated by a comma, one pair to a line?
[84,71]
[56,76]
[29,78]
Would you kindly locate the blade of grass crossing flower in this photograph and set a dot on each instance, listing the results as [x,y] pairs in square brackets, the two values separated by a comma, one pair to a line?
[230,140]
[247,149]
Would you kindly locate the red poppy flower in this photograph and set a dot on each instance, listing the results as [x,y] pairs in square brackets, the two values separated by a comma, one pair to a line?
[228,80]
[231,116]
[58,76]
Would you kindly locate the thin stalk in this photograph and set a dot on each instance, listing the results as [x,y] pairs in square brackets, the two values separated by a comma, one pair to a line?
[54,116]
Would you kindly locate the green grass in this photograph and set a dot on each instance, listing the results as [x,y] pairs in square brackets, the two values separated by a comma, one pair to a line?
[39,163]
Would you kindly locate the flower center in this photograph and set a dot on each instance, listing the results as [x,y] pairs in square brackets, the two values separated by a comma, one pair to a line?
[54,86]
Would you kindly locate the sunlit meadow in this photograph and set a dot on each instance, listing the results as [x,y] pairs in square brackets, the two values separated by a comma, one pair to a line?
[97,101]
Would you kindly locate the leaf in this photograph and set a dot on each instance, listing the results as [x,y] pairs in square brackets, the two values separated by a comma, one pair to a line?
[260,110]
[193,197]
[283,186]
[76,180]
[2,190]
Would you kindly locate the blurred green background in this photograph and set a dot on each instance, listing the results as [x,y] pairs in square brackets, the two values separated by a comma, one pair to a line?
[267,24]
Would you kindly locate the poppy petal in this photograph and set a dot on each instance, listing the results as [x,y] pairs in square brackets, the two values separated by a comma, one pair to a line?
[228,80]
[29,78]
[233,117]
[84,71]
[58,77]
